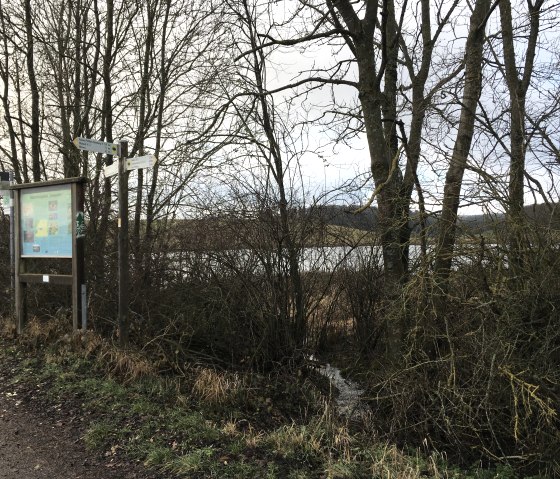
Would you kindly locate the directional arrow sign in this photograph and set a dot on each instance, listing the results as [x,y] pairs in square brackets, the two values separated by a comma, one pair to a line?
[111,170]
[97,146]
[146,161]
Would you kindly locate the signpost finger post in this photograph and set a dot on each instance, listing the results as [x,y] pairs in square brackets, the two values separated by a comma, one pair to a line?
[120,168]
[122,224]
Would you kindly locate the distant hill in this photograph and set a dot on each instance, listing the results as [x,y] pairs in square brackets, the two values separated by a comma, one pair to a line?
[320,225]
[541,215]
[337,215]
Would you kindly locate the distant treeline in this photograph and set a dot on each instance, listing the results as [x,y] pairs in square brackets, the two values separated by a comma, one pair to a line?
[237,230]
[337,215]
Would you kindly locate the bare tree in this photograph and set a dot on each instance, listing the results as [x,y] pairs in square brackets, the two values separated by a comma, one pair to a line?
[371,41]
[260,126]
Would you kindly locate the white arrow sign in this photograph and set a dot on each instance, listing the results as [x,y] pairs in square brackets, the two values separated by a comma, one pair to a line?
[138,162]
[112,169]
[96,146]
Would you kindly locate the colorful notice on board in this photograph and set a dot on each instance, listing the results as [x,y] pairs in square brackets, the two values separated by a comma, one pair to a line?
[46,221]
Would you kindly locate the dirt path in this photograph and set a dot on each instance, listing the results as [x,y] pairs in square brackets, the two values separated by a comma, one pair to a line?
[38,441]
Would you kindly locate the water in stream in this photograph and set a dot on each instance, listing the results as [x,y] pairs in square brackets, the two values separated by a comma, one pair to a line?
[348,401]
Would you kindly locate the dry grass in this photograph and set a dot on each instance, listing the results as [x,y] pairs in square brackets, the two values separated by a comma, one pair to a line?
[217,388]
[295,441]
[45,331]
[126,364]
[391,463]
[7,328]
[336,235]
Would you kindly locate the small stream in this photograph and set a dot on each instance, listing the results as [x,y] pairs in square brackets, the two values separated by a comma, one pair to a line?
[348,401]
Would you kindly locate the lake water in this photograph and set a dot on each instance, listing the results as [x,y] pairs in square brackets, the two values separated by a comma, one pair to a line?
[315,259]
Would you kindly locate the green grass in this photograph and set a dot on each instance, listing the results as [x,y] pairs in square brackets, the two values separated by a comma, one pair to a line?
[103,434]
[157,456]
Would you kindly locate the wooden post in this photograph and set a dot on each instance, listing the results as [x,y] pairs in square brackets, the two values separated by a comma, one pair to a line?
[20,287]
[12,229]
[123,245]
[79,310]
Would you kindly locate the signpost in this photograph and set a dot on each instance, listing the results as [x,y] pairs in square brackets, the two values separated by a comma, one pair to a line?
[120,168]
[96,146]
[138,162]
[50,223]
[122,226]
[5,182]
[146,161]
[111,170]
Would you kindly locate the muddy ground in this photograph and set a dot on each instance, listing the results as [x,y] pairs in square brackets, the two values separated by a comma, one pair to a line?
[39,440]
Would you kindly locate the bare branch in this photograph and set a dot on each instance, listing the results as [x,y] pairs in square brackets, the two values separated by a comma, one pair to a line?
[378,188]
[293,41]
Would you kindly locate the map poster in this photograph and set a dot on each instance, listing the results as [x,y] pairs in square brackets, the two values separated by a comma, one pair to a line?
[46,221]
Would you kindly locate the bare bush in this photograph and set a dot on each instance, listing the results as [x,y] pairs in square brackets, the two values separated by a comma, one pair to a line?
[483,385]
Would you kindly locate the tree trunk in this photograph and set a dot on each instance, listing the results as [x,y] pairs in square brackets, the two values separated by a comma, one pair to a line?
[5,74]
[517,88]
[274,159]
[465,131]
[35,129]
[142,127]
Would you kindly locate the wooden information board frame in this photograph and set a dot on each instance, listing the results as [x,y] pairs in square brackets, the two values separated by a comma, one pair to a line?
[77,279]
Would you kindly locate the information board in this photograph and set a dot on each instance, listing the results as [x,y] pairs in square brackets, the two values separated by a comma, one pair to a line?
[46,222]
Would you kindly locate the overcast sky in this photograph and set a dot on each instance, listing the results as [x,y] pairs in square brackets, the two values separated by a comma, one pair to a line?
[332,165]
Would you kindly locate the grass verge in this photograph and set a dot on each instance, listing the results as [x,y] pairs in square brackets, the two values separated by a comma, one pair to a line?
[209,423]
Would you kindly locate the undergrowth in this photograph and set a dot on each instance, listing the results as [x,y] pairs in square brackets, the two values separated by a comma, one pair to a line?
[209,423]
